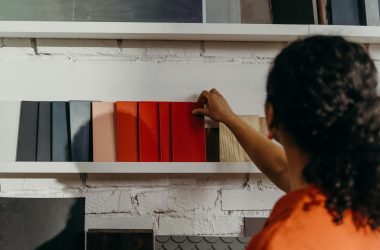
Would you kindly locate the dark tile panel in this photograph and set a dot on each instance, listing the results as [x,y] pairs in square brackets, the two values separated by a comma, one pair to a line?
[200,243]
[176,11]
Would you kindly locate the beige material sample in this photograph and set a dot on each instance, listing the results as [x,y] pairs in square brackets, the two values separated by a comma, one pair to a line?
[103,130]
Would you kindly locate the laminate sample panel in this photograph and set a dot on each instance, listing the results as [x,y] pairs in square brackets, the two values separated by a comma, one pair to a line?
[42,223]
[371,11]
[255,11]
[188,133]
[60,132]
[176,11]
[10,116]
[294,12]
[120,239]
[44,132]
[149,132]
[165,132]
[27,135]
[127,131]
[80,131]
[103,131]
[230,149]
[222,11]
[36,10]
[346,12]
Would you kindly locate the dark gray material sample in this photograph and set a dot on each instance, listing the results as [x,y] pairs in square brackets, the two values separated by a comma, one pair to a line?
[119,239]
[253,225]
[175,11]
[44,132]
[294,12]
[36,10]
[80,131]
[27,133]
[42,224]
[60,132]
[201,242]
[346,12]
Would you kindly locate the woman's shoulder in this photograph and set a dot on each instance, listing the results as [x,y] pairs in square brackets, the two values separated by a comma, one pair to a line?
[300,220]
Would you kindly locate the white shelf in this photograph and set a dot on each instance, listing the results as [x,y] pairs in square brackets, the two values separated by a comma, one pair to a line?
[159,31]
[127,168]
[183,31]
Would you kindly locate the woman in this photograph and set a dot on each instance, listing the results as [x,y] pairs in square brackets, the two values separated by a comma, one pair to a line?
[322,106]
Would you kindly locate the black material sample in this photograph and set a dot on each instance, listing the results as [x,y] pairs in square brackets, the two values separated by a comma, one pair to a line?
[99,239]
[81,131]
[44,132]
[294,12]
[347,12]
[27,134]
[60,132]
[253,225]
[42,223]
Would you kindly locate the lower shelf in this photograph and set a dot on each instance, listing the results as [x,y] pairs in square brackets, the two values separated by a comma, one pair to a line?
[128,168]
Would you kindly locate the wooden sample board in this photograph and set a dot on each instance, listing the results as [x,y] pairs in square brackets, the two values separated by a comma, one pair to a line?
[230,149]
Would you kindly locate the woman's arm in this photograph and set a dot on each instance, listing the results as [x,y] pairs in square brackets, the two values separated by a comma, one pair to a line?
[269,157]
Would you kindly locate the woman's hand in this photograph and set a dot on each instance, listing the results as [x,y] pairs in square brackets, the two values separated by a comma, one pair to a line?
[216,107]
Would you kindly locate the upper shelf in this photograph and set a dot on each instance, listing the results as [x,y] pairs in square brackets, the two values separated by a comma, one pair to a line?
[176,31]
[127,168]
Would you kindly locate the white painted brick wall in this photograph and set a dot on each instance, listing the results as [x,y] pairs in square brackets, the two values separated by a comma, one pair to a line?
[170,203]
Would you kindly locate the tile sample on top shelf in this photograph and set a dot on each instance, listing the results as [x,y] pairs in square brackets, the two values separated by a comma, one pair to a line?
[101,239]
[27,134]
[295,11]
[253,225]
[103,132]
[127,131]
[172,11]
[42,223]
[44,132]
[149,132]
[222,11]
[346,12]
[255,11]
[10,116]
[60,132]
[165,131]
[188,133]
[230,149]
[80,131]
[371,11]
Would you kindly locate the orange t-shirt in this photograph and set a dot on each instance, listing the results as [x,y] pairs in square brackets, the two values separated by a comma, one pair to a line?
[299,220]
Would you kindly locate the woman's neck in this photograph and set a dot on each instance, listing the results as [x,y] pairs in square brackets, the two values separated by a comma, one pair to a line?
[297,160]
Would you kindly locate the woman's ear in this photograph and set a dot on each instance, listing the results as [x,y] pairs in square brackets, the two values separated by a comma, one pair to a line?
[269,115]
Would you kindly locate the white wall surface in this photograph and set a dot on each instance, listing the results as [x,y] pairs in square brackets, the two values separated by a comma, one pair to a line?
[51,69]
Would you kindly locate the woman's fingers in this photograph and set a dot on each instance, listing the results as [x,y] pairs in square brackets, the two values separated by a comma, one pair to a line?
[200,111]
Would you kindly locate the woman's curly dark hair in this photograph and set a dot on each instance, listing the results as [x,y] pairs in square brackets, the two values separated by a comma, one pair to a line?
[323,91]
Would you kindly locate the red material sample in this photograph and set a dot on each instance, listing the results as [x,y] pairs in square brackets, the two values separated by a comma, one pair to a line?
[149,132]
[165,132]
[127,131]
[188,133]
